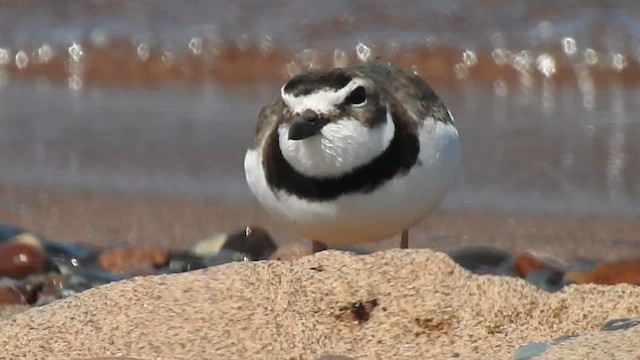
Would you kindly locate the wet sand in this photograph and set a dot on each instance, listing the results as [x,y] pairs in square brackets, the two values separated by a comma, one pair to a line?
[178,222]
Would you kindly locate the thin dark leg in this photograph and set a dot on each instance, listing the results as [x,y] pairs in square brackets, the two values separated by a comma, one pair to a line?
[317,246]
[404,240]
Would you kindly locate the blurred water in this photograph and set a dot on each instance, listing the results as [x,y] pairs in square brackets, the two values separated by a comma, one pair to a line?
[529,146]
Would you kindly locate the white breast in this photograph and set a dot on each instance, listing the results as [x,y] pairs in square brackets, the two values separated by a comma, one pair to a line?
[355,218]
[343,146]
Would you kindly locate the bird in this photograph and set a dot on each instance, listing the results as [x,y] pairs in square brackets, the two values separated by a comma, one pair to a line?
[353,154]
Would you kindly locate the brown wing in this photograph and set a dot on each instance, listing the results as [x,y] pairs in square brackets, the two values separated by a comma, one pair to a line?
[407,92]
[268,119]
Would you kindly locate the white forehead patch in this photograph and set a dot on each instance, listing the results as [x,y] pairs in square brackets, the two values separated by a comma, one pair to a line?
[322,101]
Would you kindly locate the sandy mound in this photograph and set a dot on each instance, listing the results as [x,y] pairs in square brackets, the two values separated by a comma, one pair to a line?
[413,304]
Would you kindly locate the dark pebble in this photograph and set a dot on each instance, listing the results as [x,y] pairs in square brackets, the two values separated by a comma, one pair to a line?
[225,256]
[545,280]
[474,258]
[533,350]
[507,268]
[620,324]
[92,278]
[8,232]
[253,240]
[75,254]
[183,261]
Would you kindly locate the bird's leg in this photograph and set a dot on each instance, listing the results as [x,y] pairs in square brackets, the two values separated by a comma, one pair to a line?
[404,240]
[317,246]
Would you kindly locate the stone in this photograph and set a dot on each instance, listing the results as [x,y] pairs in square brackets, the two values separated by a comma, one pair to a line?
[225,256]
[253,240]
[121,260]
[531,351]
[88,278]
[620,324]
[291,251]
[8,232]
[183,261]
[21,256]
[527,262]
[546,280]
[76,254]
[478,258]
[209,246]
[506,268]
[11,296]
[626,271]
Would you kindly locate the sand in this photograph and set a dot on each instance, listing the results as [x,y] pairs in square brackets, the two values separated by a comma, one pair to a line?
[427,308]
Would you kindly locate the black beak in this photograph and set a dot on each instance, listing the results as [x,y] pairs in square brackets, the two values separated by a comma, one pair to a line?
[306,125]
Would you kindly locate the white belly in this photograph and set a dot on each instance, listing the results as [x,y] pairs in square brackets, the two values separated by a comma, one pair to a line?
[378,215]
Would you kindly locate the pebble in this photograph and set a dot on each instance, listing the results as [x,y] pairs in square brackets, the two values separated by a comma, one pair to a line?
[546,280]
[21,256]
[527,262]
[93,278]
[533,350]
[11,296]
[225,256]
[183,261]
[620,324]
[35,271]
[76,254]
[479,259]
[8,232]
[209,246]
[625,271]
[121,260]
[506,268]
[253,240]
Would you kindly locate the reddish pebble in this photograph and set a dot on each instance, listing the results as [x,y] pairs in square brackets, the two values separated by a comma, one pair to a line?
[526,263]
[616,272]
[121,260]
[11,296]
[21,256]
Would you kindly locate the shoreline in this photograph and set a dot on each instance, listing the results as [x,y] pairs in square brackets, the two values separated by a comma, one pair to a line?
[103,218]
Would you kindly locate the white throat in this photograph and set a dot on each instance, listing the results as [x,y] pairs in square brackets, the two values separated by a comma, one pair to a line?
[340,147]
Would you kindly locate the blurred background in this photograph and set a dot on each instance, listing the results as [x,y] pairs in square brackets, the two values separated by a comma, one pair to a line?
[127,121]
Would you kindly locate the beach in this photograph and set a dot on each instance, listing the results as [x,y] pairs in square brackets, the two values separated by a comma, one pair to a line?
[127,229]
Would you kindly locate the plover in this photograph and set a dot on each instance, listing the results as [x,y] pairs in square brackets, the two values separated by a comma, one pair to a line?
[353,154]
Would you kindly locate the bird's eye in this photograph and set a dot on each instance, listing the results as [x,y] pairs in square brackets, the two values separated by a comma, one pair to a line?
[357,97]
